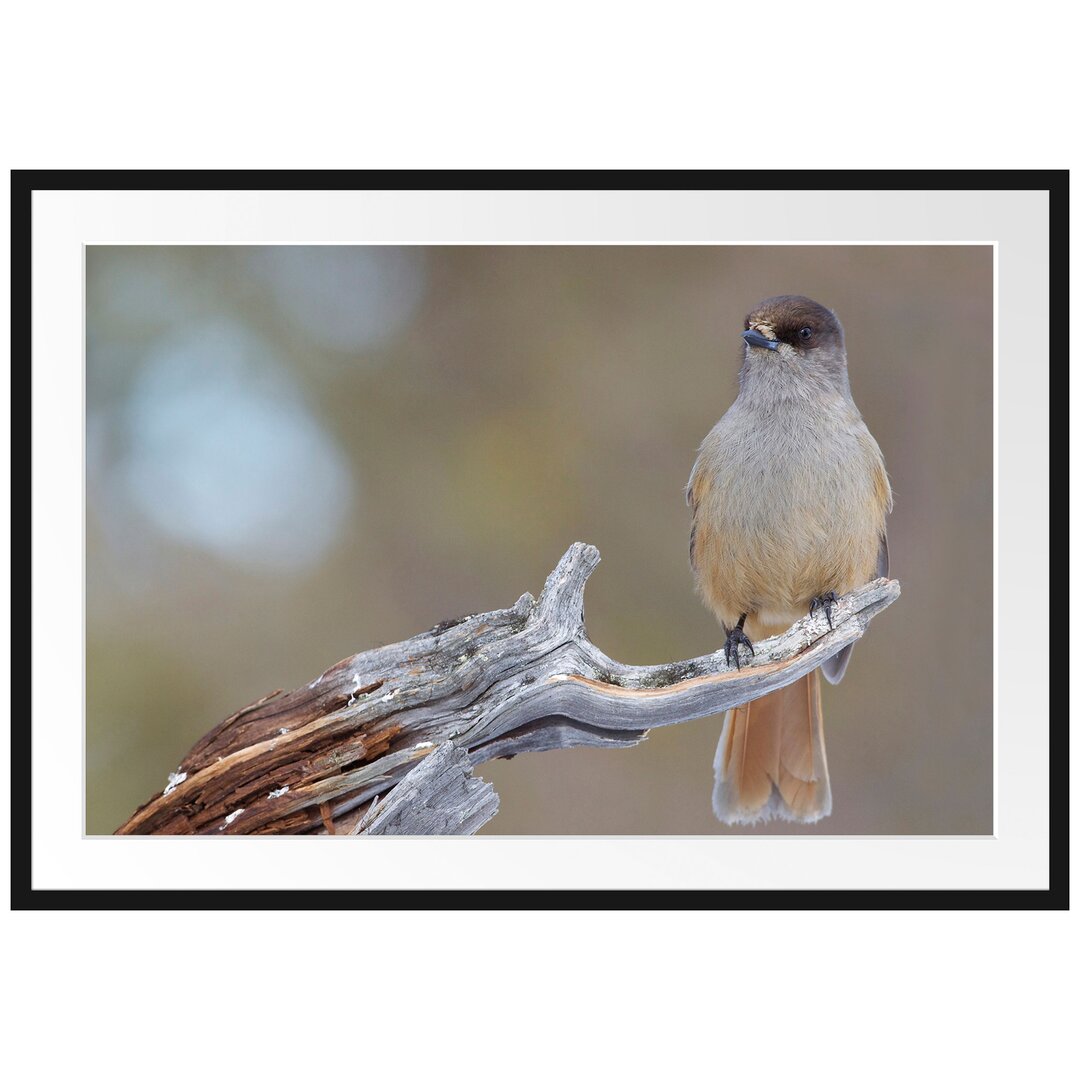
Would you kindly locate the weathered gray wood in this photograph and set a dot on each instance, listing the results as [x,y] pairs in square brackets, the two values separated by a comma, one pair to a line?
[523,679]
[440,797]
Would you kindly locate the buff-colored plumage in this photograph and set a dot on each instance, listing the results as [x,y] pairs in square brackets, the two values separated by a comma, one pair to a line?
[789,496]
[771,758]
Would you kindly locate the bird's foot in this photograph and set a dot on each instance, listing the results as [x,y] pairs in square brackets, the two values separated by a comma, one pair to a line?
[735,638]
[825,602]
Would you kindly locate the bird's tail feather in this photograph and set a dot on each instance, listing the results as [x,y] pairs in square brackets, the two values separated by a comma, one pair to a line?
[770,762]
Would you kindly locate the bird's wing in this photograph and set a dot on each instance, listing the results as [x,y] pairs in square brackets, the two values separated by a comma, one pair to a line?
[695,491]
[833,669]
[883,555]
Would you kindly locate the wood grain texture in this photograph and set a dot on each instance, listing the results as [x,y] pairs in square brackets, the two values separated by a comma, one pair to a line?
[526,678]
[440,797]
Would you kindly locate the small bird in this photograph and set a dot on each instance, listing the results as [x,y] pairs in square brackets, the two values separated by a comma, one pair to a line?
[789,496]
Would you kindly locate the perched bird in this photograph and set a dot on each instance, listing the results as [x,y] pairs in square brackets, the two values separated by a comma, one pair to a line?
[789,496]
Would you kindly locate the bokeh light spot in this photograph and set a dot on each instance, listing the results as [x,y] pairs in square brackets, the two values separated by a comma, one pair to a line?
[222,452]
[347,298]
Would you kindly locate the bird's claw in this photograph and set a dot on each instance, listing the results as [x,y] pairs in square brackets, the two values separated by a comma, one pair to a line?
[735,638]
[824,602]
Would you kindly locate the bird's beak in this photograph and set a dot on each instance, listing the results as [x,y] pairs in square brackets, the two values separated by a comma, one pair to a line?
[752,337]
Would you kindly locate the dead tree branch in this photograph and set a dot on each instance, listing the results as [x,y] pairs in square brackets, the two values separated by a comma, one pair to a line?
[439,797]
[505,682]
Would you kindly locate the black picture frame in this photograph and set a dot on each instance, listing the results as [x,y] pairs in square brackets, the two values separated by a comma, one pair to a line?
[24,183]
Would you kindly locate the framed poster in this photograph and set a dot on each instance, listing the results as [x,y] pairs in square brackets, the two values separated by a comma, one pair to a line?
[277,419]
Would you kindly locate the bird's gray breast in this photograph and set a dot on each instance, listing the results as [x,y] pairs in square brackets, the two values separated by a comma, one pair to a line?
[786,476]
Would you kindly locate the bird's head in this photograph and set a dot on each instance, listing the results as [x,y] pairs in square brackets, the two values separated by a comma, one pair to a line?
[795,342]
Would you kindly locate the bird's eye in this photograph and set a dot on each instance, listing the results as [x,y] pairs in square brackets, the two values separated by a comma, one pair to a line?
[805,333]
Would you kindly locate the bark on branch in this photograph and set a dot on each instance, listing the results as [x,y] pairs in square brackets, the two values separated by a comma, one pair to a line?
[496,684]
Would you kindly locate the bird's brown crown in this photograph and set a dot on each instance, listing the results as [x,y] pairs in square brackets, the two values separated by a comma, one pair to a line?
[797,320]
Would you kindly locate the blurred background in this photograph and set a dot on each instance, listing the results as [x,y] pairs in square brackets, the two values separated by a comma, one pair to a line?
[298,453]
